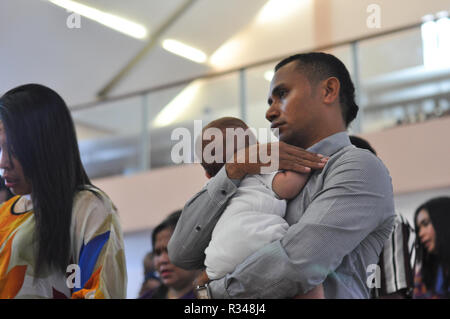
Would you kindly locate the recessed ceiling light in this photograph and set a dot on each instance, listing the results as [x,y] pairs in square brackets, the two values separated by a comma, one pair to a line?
[274,10]
[172,111]
[110,20]
[225,54]
[184,50]
[268,75]
[436,40]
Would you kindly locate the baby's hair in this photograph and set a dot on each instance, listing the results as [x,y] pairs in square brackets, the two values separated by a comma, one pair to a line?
[222,124]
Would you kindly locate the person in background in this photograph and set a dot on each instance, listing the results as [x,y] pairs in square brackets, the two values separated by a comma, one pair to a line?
[5,193]
[397,257]
[151,277]
[177,283]
[60,235]
[432,271]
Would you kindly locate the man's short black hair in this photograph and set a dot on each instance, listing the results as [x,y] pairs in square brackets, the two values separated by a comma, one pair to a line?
[318,66]
[361,143]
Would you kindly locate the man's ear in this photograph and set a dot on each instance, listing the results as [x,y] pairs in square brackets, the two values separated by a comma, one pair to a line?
[331,88]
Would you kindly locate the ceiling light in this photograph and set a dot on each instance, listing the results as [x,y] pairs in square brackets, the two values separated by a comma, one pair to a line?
[429,43]
[172,111]
[225,54]
[184,50]
[435,40]
[443,26]
[268,75]
[112,21]
[274,10]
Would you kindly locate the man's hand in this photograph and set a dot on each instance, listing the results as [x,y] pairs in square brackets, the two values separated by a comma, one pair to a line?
[248,160]
[201,279]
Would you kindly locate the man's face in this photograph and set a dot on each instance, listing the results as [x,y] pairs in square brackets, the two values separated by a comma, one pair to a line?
[294,107]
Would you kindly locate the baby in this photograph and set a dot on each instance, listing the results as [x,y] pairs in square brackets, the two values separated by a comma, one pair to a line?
[254,215]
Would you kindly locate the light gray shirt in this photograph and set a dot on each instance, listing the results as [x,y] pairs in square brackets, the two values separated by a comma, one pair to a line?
[338,225]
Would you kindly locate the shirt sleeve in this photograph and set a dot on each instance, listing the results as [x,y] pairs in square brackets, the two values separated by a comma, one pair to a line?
[356,199]
[99,249]
[268,181]
[200,214]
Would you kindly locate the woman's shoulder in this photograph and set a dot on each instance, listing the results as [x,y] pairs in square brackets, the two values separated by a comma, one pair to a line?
[90,198]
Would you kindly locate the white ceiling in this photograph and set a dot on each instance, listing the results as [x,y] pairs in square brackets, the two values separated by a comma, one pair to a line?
[37,46]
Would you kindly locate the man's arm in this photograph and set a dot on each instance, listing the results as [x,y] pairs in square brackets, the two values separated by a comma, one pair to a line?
[201,213]
[193,232]
[356,199]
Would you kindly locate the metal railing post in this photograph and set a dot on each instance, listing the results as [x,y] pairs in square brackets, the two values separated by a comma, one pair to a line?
[243,94]
[145,136]
[357,125]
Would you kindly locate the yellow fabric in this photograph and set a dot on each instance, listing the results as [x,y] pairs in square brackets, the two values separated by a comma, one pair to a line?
[90,287]
[93,214]
[11,278]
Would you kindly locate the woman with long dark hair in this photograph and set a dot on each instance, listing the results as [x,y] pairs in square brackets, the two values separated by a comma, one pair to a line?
[60,236]
[432,224]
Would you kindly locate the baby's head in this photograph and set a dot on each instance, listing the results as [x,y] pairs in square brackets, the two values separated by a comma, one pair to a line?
[215,155]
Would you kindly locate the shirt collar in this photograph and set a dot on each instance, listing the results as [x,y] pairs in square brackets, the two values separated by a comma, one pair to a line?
[331,144]
[23,204]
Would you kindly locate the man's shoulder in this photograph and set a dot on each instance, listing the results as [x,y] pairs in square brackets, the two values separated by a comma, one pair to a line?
[357,156]
[351,151]
[351,164]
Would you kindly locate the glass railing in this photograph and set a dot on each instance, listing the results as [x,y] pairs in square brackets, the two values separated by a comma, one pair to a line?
[132,133]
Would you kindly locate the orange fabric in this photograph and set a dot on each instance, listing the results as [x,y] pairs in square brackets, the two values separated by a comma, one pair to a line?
[11,284]
[12,281]
[91,285]
[8,221]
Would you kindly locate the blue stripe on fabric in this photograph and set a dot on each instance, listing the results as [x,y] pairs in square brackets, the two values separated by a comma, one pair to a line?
[88,257]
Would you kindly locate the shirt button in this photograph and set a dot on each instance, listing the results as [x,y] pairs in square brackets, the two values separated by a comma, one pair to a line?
[223,192]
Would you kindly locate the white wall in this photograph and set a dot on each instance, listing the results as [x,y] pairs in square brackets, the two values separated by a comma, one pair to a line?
[417,155]
[407,203]
[137,245]
[144,200]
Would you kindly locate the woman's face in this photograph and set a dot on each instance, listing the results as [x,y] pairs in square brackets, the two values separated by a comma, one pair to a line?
[171,275]
[11,170]
[426,232]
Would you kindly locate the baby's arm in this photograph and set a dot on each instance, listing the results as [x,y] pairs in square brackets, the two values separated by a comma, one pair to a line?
[288,184]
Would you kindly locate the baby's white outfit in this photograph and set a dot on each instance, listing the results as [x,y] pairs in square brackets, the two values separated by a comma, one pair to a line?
[253,218]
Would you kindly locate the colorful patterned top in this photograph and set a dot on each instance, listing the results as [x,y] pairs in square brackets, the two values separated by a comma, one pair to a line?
[97,251]
[421,292]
